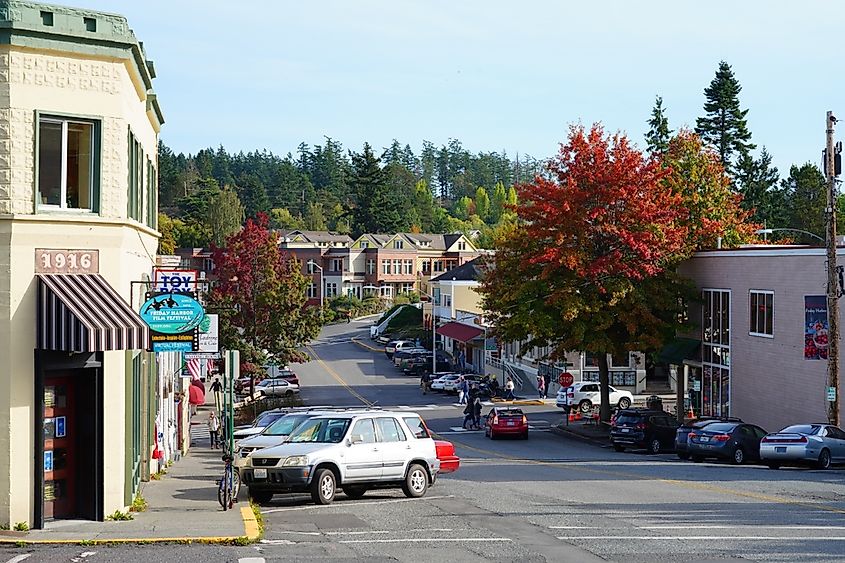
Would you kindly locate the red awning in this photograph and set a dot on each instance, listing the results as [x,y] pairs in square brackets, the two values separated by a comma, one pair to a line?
[459,331]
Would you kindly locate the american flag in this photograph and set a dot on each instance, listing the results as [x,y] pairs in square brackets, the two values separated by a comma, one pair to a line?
[194,368]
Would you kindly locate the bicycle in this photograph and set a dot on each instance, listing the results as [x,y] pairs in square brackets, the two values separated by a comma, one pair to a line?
[229,486]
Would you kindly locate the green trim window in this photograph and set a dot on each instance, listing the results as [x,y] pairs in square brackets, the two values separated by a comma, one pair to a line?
[68,167]
[135,199]
[152,196]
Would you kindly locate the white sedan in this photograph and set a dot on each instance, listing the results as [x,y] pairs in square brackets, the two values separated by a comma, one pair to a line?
[277,387]
[440,383]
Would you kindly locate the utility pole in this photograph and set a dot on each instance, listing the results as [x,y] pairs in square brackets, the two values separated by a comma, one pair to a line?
[832,391]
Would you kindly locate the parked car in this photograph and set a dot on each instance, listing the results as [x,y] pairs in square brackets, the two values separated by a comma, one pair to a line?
[439,384]
[819,445]
[276,387]
[261,422]
[400,357]
[506,421]
[449,461]
[355,451]
[681,435]
[584,394]
[736,442]
[452,385]
[417,368]
[396,345]
[285,374]
[643,428]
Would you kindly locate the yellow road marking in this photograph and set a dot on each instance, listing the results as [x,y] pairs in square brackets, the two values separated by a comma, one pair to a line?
[337,377]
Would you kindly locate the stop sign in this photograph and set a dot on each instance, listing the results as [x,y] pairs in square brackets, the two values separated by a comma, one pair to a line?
[565,379]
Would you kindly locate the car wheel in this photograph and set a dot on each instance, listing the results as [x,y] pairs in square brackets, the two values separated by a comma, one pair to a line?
[492,434]
[824,459]
[525,435]
[416,481]
[774,466]
[654,446]
[585,406]
[683,455]
[618,448]
[738,457]
[354,492]
[624,403]
[696,458]
[260,497]
[288,393]
[323,487]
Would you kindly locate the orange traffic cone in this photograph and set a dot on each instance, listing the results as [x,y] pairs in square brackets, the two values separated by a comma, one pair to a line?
[691,413]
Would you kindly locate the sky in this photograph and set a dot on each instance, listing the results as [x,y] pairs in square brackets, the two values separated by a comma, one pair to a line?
[496,75]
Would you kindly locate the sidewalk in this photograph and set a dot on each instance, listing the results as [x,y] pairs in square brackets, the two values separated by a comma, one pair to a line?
[181,507]
[586,431]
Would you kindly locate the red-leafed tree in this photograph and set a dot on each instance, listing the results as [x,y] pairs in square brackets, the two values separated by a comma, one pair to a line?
[590,266]
[261,296]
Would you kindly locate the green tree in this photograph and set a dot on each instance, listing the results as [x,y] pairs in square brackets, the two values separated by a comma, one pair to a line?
[315,219]
[657,137]
[224,216]
[806,197]
[167,242]
[482,204]
[375,207]
[724,125]
[423,207]
[253,194]
[281,218]
[497,205]
[757,181]
[464,207]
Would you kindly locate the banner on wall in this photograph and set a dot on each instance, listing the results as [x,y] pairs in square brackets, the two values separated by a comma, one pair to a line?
[815,327]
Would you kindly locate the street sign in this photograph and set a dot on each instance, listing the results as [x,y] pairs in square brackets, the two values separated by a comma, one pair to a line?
[565,379]
[175,281]
[831,394]
[172,313]
[209,339]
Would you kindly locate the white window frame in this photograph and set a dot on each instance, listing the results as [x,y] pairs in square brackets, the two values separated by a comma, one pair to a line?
[312,290]
[337,262]
[92,163]
[751,332]
[371,266]
[398,244]
[331,289]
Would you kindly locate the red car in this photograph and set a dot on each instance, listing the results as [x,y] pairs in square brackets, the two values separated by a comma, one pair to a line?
[505,421]
[449,462]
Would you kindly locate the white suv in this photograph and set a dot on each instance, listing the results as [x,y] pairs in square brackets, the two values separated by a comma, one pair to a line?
[396,346]
[355,451]
[584,394]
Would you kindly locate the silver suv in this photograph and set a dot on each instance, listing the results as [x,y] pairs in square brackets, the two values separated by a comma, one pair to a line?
[353,451]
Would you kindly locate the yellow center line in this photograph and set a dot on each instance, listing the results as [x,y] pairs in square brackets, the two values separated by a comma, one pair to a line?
[676,482]
[337,377]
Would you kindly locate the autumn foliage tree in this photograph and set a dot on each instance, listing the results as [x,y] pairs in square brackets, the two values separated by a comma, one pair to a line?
[261,296]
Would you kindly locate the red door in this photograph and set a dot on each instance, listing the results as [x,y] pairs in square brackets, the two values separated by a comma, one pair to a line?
[59,448]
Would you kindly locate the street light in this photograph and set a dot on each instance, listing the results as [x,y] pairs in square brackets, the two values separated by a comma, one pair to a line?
[314,265]
[770,231]
[433,333]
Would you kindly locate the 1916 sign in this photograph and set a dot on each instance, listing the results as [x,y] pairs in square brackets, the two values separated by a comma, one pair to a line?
[55,261]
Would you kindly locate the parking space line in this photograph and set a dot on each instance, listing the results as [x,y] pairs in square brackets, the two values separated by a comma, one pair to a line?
[428,540]
[19,558]
[739,526]
[706,538]
[346,504]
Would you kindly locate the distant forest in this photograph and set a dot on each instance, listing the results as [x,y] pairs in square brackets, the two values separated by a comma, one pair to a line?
[445,189]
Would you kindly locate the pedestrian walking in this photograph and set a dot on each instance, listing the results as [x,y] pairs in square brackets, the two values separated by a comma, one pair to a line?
[509,389]
[463,391]
[547,380]
[425,382]
[213,430]
[349,316]
[541,387]
[217,389]
[469,415]
[476,412]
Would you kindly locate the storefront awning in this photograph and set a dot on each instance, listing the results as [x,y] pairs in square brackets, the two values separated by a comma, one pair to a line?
[83,313]
[459,331]
[678,350]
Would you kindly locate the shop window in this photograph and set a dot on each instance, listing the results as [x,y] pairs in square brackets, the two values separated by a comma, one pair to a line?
[761,313]
[68,164]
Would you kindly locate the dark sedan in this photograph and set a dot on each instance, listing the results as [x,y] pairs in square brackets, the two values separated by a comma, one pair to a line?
[682,434]
[736,442]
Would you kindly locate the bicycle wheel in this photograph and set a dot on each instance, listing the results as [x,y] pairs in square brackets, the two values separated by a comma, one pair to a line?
[224,491]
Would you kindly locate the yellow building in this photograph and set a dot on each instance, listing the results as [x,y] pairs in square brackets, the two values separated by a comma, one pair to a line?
[79,126]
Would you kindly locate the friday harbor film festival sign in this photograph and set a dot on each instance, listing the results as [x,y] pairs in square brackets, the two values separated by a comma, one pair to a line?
[175,320]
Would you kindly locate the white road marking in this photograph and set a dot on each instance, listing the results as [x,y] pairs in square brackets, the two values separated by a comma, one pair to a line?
[707,538]
[739,526]
[82,556]
[346,504]
[278,542]
[251,560]
[420,540]
[19,558]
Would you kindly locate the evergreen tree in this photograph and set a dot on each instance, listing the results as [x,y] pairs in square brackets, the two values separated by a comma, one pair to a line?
[806,195]
[724,124]
[657,137]
[253,194]
[757,182]
[497,206]
[315,219]
[482,204]
[224,216]
[464,207]
[375,210]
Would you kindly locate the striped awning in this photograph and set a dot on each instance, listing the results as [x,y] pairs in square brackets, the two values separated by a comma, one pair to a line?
[83,313]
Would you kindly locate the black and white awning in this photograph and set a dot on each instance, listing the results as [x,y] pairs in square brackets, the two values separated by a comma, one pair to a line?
[83,313]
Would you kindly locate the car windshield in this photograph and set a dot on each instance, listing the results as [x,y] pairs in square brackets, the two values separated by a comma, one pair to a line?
[321,430]
[810,429]
[723,427]
[286,424]
[628,419]
[267,418]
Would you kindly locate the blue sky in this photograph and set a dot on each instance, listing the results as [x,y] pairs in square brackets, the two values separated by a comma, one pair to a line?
[497,75]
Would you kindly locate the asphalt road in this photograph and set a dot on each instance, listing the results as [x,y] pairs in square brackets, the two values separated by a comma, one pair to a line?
[549,498]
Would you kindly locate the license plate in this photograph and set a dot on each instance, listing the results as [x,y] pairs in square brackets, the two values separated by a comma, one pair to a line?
[510,422]
[626,430]
[704,439]
[780,449]
[259,473]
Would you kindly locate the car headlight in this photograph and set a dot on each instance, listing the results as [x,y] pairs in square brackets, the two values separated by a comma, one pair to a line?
[295,461]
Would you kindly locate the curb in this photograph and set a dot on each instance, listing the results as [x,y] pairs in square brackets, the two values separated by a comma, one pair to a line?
[251,529]
[366,346]
[563,431]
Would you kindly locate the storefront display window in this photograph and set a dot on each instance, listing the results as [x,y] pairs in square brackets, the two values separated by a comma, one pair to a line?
[715,335]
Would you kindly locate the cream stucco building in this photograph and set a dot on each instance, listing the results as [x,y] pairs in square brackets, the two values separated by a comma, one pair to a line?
[79,125]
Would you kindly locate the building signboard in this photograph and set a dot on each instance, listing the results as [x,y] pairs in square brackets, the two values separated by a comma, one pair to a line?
[174,281]
[55,261]
[174,320]
[815,327]
[209,337]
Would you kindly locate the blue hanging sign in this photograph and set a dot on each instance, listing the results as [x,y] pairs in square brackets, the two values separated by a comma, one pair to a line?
[172,313]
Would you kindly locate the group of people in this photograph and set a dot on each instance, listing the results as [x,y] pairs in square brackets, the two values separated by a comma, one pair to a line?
[543,382]
[470,397]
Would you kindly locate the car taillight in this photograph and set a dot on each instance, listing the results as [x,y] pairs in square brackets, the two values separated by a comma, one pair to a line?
[721,438]
[692,435]
[524,419]
[495,420]
[640,426]
[570,394]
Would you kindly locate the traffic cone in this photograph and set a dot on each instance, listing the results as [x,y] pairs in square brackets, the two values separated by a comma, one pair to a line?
[691,413]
